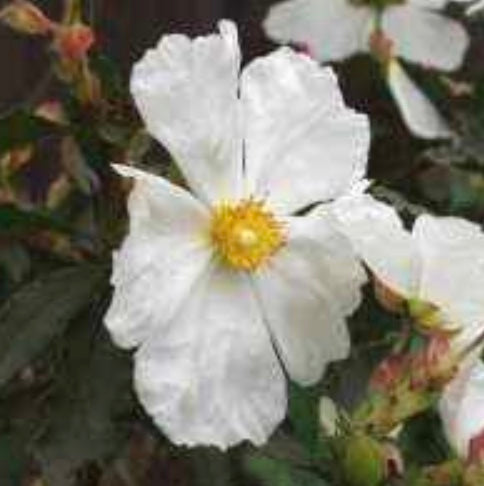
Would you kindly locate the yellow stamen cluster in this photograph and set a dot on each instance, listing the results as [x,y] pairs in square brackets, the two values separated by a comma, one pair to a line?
[245,234]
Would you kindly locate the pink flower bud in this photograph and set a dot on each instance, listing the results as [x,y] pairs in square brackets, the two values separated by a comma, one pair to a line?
[388,372]
[431,365]
[26,18]
[73,42]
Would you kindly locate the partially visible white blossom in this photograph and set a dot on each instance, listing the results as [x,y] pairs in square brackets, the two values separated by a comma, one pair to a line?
[414,30]
[462,408]
[440,263]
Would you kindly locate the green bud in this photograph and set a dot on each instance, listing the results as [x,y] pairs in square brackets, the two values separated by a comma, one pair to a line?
[363,461]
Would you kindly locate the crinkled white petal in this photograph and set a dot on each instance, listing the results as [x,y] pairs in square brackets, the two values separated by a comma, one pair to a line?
[420,116]
[317,238]
[378,236]
[306,292]
[452,251]
[425,37]
[186,92]
[160,259]
[212,376]
[462,407]
[303,144]
[333,29]
[430,4]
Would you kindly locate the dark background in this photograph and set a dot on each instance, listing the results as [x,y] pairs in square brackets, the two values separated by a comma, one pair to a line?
[125,29]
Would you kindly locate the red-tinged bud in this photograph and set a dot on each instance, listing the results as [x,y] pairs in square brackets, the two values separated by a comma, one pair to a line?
[388,298]
[388,373]
[304,48]
[26,18]
[51,111]
[16,158]
[381,46]
[393,461]
[476,449]
[73,42]
[432,365]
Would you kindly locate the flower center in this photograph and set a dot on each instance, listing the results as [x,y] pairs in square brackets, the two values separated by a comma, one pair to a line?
[245,234]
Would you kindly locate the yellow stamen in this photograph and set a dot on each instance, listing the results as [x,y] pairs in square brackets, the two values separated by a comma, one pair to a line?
[245,234]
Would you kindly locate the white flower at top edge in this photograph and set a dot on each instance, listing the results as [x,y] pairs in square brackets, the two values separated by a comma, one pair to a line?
[220,288]
[415,31]
[440,262]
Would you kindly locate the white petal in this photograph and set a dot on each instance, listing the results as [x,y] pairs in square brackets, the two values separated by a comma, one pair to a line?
[159,260]
[333,29]
[421,117]
[430,4]
[378,236]
[302,143]
[462,407]
[306,292]
[453,270]
[317,238]
[212,377]
[475,8]
[432,40]
[186,92]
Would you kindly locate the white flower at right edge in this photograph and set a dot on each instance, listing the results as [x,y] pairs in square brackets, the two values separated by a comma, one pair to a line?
[415,30]
[440,262]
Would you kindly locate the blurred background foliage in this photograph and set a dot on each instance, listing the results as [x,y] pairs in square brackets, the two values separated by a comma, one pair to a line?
[67,412]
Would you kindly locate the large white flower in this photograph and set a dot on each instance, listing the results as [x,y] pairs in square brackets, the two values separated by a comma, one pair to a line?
[219,287]
[441,262]
[414,30]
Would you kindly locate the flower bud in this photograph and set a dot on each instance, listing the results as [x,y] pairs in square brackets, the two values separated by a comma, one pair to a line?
[74,41]
[429,318]
[388,373]
[328,416]
[432,365]
[51,111]
[381,46]
[363,461]
[388,298]
[394,466]
[26,18]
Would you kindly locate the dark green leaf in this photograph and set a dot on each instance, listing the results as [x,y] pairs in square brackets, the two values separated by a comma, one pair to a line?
[272,472]
[42,310]
[14,219]
[21,128]
[304,415]
[95,388]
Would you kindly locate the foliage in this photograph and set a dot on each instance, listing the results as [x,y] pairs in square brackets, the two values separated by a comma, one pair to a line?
[67,411]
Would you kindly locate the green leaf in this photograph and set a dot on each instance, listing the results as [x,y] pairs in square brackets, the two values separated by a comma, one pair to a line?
[20,128]
[304,415]
[95,388]
[14,219]
[211,467]
[13,460]
[272,472]
[42,310]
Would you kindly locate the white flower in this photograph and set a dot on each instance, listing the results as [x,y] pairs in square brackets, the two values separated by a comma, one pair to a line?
[441,262]
[462,408]
[219,287]
[414,30]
